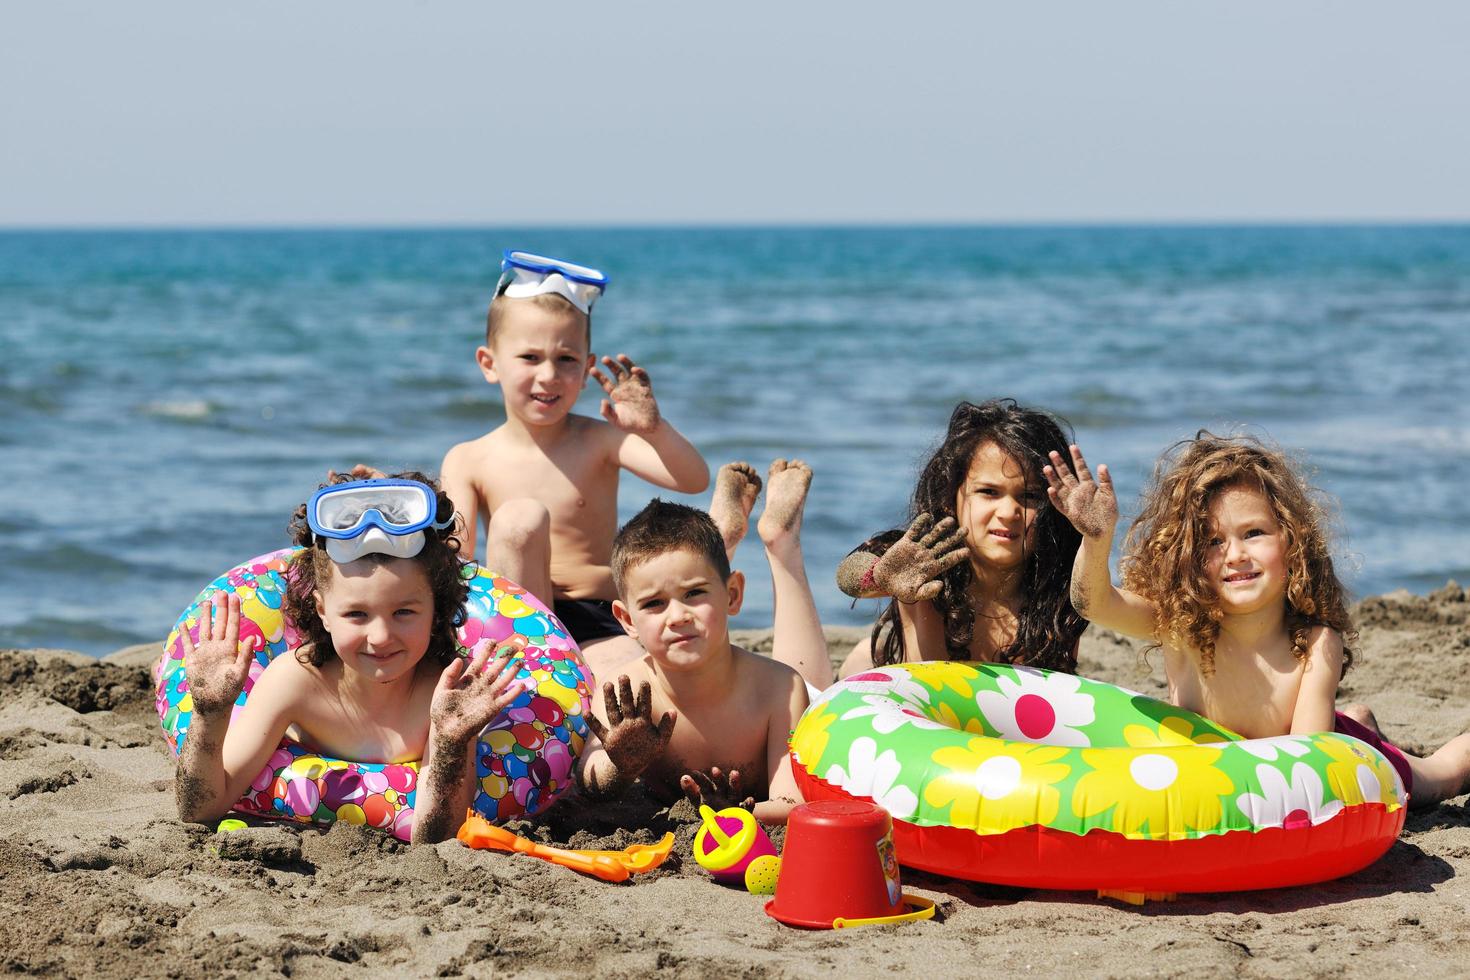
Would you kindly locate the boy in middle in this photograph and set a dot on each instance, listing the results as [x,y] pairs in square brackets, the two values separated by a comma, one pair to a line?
[545,483]
[724,714]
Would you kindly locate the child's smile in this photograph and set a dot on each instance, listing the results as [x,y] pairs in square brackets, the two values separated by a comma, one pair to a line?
[380,616]
[540,360]
[1246,551]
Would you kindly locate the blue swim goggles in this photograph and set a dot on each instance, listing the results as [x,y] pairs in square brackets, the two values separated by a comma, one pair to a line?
[386,517]
[523,274]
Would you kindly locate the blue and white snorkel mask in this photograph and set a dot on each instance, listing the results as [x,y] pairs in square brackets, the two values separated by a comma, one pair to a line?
[523,274]
[385,517]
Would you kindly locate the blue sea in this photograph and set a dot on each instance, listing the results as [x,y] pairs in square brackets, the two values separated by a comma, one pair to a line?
[168,398]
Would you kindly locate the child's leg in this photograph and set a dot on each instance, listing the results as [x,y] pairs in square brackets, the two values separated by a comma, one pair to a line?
[736,487]
[1443,775]
[1363,715]
[518,546]
[797,640]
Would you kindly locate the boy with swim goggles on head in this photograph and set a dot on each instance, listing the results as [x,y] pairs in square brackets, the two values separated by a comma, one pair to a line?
[545,482]
[376,595]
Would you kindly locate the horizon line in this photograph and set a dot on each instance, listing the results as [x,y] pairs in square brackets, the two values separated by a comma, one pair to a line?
[1007,224]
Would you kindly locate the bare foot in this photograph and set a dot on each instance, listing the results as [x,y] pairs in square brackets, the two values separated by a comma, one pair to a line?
[736,487]
[786,487]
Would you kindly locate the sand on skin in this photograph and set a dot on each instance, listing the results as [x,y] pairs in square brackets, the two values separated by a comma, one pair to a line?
[102,880]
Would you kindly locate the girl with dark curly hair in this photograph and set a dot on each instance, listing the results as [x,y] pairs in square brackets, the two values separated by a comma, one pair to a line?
[376,593]
[982,571]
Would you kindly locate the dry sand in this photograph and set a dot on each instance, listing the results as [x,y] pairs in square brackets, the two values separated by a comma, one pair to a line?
[102,880]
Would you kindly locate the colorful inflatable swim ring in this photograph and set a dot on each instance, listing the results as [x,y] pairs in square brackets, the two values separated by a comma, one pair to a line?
[1031,777]
[524,758]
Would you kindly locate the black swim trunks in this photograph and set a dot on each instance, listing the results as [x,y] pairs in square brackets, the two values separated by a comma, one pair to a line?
[587,619]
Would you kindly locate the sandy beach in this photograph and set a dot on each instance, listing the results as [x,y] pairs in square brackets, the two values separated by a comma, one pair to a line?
[102,880]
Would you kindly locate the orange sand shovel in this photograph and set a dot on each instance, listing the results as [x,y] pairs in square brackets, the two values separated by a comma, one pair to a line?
[480,833]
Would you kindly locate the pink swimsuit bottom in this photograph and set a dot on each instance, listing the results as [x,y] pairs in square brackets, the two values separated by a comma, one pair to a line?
[1346,726]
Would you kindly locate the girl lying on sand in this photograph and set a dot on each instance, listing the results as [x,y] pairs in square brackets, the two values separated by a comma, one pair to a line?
[981,573]
[1227,569]
[378,678]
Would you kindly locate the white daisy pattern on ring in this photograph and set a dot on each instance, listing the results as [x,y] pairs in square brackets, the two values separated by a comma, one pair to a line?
[897,683]
[891,697]
[1290,805]
[1374,789]
[1270,749]
[871,775]
[889,715]
[1043,708]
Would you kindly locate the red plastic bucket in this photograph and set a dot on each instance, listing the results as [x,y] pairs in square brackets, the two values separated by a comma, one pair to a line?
[839,863]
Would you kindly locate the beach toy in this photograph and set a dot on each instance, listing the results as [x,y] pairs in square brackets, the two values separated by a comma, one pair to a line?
[614,866]
[1030,777]
[839,869]
[230,825]
[524,757]
[761,875]
[728,842]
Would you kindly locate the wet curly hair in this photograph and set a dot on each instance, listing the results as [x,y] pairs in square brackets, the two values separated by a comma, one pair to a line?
[1165,546]
[311,572]
[1048,626]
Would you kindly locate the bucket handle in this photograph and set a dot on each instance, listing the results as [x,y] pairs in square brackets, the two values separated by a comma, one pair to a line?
[919,908]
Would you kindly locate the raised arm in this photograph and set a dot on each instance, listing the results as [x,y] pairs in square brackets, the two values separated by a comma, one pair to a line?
[907,567]
[1092,507]
[1316,699]
[456,475]
[629,743]
[219,760]
[651,448]
[468,696]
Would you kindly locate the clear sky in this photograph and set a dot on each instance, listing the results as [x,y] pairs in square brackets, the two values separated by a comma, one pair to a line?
[664,112]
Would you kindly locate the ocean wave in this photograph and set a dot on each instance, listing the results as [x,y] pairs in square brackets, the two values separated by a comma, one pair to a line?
[37,398]
[182,410]
[487,410]
[87,634]
[253,362]
[68,558]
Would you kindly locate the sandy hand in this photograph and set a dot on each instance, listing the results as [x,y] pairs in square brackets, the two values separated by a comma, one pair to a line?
[630,738]
[715,789]
[470,693]
[1091,505]
[912,567]
[217,667]
[629,404]
[786,488]
[736,487]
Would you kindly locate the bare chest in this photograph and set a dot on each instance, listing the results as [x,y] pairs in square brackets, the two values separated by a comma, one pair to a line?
[339,728]
[1252,696]
[573,486]
[992,635]
[732,736]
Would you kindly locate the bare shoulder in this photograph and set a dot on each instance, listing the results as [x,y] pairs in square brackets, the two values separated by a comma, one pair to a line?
[595,435]
[467,460]
[286,682]
[1324,646]
[766,676]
